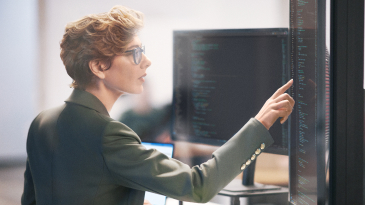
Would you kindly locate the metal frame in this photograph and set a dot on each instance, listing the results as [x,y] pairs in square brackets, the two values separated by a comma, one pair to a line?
[347,141]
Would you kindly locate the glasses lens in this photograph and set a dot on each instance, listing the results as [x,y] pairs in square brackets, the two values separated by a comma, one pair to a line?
[138,55]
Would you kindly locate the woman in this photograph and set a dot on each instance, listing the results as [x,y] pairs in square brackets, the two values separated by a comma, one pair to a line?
[77,154]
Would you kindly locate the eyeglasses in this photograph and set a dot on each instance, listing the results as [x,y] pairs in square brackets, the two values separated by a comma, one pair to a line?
[137,54]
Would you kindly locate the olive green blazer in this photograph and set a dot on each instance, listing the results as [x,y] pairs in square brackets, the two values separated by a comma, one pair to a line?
[78,155]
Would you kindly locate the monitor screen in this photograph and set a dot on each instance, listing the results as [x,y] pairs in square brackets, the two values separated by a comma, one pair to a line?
[168,150]
[222,78]
[311,117]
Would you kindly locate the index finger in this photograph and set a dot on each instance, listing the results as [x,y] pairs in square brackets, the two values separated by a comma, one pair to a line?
[282,89]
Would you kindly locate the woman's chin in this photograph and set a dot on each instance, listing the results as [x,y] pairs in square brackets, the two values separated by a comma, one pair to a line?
[136,91]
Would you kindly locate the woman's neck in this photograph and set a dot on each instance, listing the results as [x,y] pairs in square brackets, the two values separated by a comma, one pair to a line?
[105,95]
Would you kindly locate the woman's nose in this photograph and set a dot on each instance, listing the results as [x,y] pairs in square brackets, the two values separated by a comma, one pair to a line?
[146,62]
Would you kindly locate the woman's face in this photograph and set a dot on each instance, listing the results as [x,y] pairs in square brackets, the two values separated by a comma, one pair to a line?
[124,76]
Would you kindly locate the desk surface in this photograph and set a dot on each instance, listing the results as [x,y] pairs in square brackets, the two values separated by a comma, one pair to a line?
[254,193]
[170,201]
[236,189]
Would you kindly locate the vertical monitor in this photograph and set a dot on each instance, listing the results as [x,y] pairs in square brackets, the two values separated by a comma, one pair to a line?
[222,78]
[311,118]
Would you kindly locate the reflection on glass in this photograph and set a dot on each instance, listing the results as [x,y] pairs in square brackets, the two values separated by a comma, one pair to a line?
[309,146]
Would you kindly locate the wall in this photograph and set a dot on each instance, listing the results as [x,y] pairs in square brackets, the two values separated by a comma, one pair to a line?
[18,57]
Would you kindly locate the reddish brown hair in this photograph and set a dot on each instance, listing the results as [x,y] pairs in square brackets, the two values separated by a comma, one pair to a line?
[97,37]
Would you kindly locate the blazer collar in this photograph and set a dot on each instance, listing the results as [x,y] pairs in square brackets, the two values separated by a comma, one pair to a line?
[88,100]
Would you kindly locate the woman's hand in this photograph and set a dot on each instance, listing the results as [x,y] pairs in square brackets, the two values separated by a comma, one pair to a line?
[280,104]
[146,202]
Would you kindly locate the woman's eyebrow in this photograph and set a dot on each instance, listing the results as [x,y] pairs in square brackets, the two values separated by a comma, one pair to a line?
[134,46]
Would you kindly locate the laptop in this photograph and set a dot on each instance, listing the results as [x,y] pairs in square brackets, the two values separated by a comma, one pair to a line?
[168,150]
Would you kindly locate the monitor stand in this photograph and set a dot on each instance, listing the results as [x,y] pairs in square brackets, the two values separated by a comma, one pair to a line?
[247,187]
[247,184]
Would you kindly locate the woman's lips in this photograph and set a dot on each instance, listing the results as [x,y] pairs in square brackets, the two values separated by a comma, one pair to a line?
[142,77]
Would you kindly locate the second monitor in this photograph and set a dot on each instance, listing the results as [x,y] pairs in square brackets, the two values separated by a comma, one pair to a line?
[222,78]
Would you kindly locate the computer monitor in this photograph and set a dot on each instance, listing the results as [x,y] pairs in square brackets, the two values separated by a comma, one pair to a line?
[168,150]
[312,117]
[222,78]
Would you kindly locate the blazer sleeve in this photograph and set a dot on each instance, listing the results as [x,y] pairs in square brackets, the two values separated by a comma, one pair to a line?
[131,165]
[28,196]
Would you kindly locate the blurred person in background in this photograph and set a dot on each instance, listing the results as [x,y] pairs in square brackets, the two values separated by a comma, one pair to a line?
[77,154]
[149,123]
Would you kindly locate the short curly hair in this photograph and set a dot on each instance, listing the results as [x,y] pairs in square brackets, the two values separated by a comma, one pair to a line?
[97,37]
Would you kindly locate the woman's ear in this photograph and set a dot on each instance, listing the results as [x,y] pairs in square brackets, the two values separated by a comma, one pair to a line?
[96,67]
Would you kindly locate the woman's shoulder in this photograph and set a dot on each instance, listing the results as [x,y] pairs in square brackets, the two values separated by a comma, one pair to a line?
[115,128]
[48,115]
